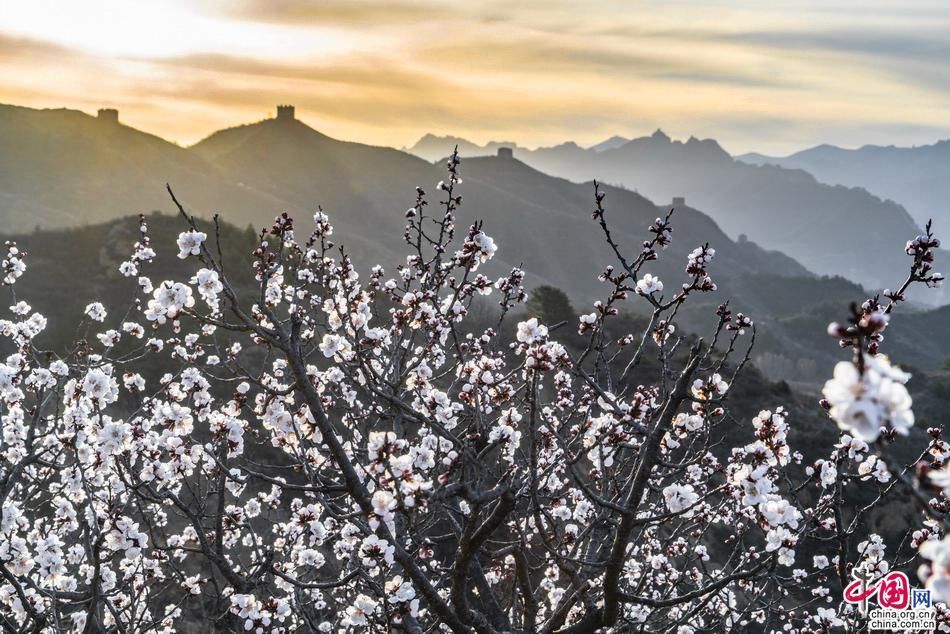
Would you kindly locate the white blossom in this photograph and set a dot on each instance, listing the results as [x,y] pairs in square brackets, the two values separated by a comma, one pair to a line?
[189,243]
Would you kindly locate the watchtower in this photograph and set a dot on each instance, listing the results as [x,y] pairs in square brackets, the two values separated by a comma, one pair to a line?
[679,201]
[506,153]
[285,113]
[108,116]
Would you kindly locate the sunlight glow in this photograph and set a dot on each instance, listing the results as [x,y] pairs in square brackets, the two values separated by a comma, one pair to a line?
[161,28]
[770,77]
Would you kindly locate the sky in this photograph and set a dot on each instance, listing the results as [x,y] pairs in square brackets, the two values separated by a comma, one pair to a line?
[771,76]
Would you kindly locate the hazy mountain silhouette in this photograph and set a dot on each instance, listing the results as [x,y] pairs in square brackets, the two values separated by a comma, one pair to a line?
[832,229]
[432,147]
[367,189]
[63,167]
[82,170]
[610,144]
[915,176]
[85,170]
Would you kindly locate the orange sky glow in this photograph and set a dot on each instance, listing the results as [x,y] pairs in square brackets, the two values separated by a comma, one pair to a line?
[773,77]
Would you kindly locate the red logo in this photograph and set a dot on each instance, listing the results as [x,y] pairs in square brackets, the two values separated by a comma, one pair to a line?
[893,591]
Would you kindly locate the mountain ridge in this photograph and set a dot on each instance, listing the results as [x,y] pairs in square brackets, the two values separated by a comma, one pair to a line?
[914,175]
[780,208]
[257,170]
[252,172]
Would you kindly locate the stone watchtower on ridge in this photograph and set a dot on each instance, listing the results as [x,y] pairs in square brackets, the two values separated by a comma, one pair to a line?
[285,113]
[109,116]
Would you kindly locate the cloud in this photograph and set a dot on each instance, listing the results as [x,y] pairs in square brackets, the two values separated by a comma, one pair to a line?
[914,45]
[764,75]
[362,13]
[724,78]
[13,48]
[533,55]
[351,71]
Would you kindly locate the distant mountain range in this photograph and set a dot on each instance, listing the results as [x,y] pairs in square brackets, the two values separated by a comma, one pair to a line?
[915,176]
[831,229]
[83,176]
[64,168]
[432,147]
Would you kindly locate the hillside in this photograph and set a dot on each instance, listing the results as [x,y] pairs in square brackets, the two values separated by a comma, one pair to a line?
[791,343]
[365,189]
[66,168]
[783,209]
[250,173]
[791,312]
[915,176]
[69,268]
[57,258]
